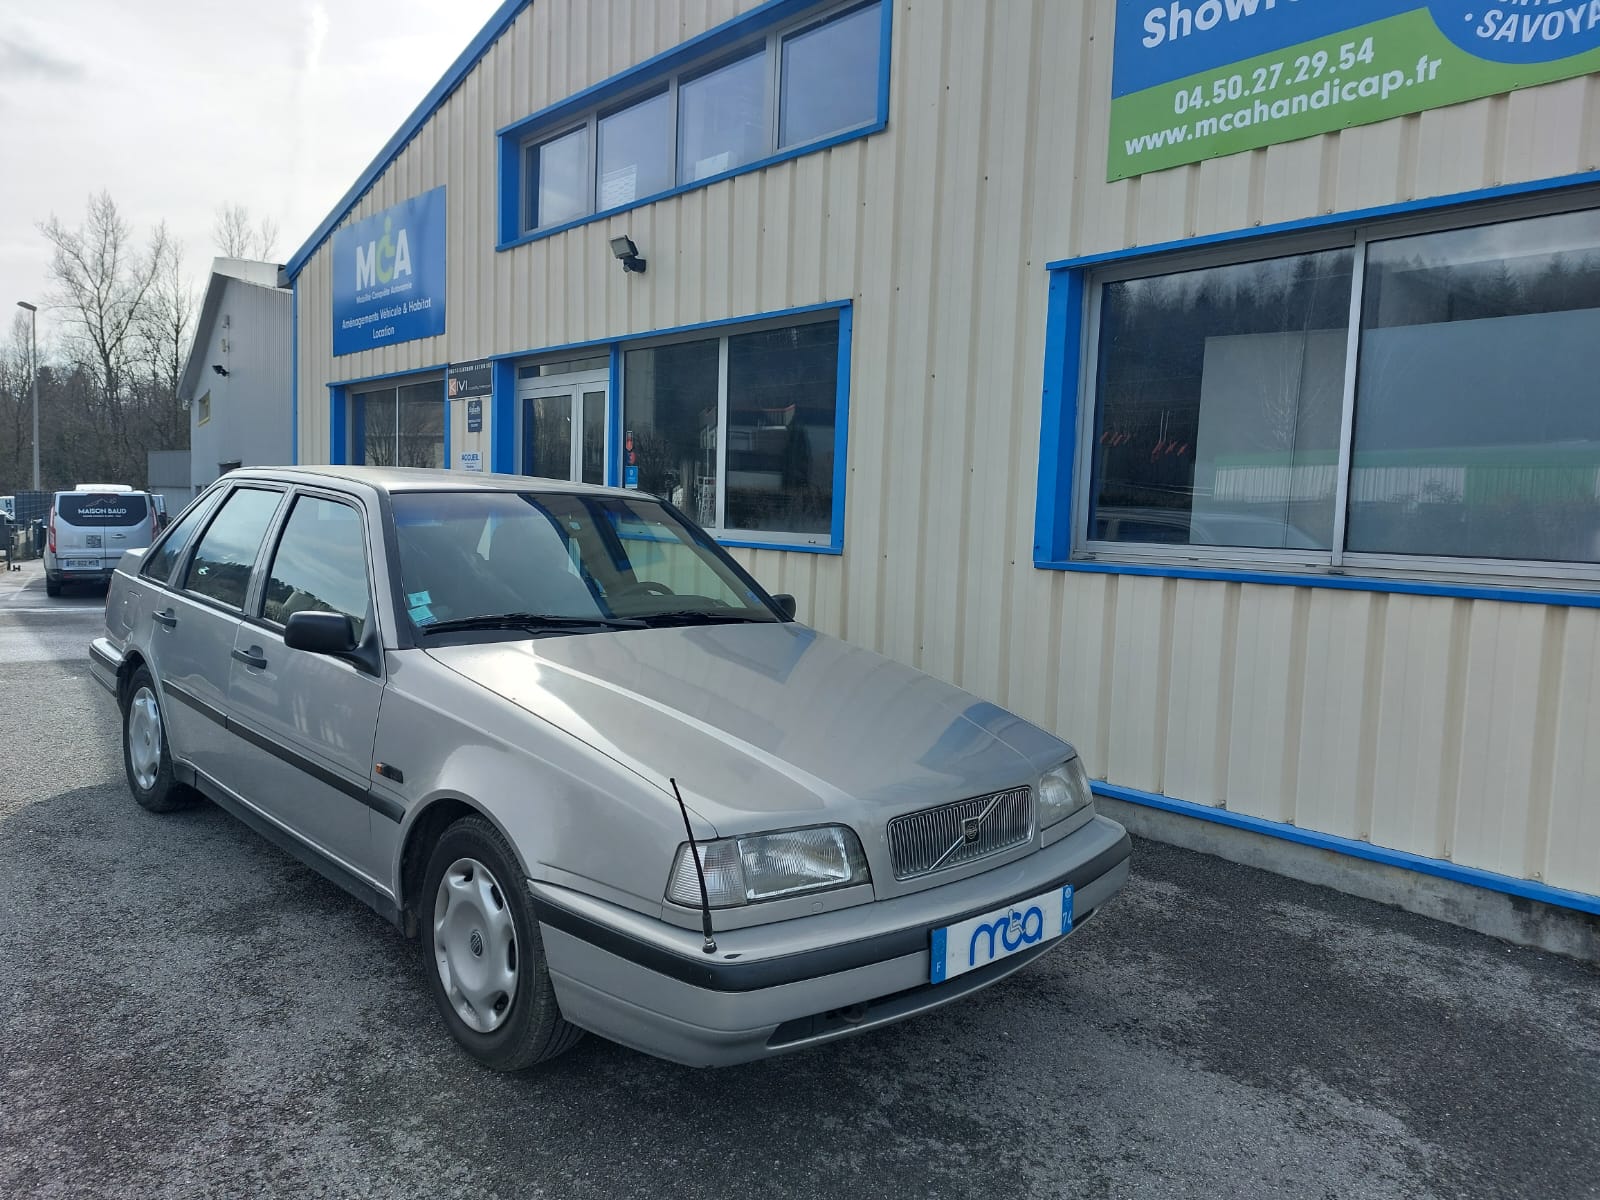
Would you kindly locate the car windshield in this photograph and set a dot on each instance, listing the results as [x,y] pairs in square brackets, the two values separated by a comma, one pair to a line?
[581,562]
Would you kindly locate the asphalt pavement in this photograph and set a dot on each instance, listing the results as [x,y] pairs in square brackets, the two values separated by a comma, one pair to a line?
[186,1011]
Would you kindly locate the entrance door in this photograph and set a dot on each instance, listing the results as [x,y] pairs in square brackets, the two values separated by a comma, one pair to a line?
[564,427]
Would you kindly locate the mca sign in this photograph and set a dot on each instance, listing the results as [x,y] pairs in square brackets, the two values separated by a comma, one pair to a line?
[389,277]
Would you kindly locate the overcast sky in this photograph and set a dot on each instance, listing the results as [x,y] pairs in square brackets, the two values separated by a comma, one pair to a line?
[180,106]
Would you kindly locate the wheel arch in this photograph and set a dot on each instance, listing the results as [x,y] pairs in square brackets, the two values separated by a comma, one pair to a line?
[132,660]
[433,817]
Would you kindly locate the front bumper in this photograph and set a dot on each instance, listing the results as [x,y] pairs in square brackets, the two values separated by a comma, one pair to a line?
[771,989]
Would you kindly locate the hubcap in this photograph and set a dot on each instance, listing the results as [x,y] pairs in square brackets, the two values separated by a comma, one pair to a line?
[475,945]
[144,737]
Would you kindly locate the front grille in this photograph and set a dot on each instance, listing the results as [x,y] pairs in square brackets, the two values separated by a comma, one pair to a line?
[934,839]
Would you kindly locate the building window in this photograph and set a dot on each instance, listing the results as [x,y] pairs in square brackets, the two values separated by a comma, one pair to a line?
[704,115]
[398,425]
[202,408]
[740,431]
[1239,411]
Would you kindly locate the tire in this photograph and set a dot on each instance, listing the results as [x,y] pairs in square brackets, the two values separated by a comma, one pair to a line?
[479,932]
[146,757]
[52,586]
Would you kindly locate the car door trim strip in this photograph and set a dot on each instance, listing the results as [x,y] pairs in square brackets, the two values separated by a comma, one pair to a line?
[385,806]
[723,976]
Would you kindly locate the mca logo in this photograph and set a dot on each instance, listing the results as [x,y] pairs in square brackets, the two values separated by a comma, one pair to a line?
[384,259]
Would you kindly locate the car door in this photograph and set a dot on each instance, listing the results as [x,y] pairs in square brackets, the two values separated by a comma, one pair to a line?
[195,623]
[306,722]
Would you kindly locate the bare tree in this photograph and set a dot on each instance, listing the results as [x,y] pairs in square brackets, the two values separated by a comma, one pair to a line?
[166,329]
[99,285]
[236,237]
[16,414]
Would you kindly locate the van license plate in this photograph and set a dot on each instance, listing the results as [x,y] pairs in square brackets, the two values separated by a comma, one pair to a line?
[979,941]
[82,564]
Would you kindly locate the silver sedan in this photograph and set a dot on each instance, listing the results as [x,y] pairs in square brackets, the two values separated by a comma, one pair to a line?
[560,737]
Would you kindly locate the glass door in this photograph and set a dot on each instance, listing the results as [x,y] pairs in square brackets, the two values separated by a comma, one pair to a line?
[563,427]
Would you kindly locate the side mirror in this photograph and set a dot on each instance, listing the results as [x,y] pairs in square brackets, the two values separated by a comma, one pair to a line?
[785,605]
[320,633]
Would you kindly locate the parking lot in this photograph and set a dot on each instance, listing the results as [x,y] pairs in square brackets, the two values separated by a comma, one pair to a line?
[185,1011]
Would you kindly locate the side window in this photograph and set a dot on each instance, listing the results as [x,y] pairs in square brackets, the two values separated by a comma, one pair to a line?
[159,563]
[320,564]
[220,569]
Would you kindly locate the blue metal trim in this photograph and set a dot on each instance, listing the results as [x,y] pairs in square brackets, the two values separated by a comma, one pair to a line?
[363,380]
[508,171]
[1058,423]
[1471,876]
[795,547]
[1332,220]
[1405,587]
[338,425]
[614,419]
[503,420]
[294,372]
[885,56]
[448,414]
[441,91]
[673,331]
[760,164]
[841,421]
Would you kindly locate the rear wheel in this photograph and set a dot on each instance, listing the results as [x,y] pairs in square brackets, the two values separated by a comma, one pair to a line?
[52,584]
[145,755]
[487,968]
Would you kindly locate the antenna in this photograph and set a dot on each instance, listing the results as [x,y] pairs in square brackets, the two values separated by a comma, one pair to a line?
[705,898]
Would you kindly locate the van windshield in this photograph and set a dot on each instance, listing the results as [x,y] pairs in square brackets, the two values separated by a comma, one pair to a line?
[102,508]
[579,561]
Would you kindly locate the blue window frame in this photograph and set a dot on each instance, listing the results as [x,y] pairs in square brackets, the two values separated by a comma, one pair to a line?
[1381,401]
[790,77]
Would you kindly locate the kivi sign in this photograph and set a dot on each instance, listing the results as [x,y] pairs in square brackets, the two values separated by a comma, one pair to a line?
[1194,79]
[389,276]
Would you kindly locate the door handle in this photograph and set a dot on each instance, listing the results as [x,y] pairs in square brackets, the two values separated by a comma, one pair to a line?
[252,657]
[168,618]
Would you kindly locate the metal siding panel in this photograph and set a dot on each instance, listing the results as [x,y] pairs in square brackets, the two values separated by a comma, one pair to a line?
[1336,695]
[1414,699]
[1199,695]
[1572,844]
[1264,725]
[1139,682]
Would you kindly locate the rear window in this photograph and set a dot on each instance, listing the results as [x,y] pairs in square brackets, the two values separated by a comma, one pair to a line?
[102,508]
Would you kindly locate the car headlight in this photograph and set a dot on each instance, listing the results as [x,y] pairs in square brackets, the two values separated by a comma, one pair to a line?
[1063,791]
[768,866]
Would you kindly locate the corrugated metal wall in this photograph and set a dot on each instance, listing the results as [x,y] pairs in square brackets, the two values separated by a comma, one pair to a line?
[1467,730]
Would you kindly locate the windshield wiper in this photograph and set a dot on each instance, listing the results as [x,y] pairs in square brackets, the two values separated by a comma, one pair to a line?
[703,616]
[533,622]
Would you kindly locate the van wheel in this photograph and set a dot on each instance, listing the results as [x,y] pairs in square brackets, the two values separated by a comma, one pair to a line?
[145,755]
[52,585]
[487,970]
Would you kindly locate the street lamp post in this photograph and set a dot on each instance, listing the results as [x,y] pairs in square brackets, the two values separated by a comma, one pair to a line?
[33,364]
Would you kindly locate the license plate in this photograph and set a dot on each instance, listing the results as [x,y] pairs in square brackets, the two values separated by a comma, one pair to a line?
[82,564]
[1011,929]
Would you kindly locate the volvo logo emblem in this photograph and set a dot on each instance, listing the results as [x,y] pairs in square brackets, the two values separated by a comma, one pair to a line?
[971,827]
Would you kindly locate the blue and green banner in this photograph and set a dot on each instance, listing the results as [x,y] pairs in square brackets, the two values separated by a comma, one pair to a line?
[1195,79]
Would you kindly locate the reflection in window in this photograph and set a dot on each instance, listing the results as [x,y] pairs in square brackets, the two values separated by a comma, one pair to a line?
[561,178]
[222,562]
[722,119]
[635,152]
[1477,424]
[671,421]
[158,565]
[830,77]
[320,564]
[400,426]
[782,393]
[1220,394]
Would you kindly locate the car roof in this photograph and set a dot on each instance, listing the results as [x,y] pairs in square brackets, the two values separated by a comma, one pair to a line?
[420,479]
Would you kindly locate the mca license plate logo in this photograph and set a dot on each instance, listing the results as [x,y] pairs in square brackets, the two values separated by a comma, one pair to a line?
[1011,929]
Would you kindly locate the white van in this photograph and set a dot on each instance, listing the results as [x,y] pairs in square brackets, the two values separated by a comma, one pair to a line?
[89,529]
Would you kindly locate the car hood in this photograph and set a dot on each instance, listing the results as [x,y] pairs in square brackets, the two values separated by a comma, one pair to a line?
[765,724]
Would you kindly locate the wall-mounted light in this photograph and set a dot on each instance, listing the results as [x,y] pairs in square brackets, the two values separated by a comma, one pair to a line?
[628,253]
[219,369]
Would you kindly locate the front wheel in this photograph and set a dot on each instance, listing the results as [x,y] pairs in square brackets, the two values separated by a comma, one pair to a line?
[487,970]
